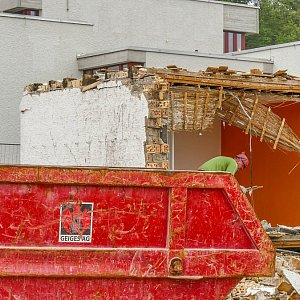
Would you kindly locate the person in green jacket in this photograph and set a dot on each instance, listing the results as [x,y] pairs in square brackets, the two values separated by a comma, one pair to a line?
[226,164]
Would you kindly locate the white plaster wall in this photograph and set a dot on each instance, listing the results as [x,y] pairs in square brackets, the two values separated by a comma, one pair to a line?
[284,57]
[169,24]
[104,127]
[34,51]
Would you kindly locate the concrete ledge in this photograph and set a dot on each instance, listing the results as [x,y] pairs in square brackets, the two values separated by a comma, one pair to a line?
[15,16]
[278,46]
[139,54]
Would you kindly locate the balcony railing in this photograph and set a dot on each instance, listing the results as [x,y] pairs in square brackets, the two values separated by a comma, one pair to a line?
[9,154]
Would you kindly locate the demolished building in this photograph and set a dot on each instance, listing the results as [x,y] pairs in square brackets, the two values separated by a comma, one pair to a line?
[95,120]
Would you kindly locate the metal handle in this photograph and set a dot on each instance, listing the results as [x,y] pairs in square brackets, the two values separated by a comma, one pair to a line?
[176,266]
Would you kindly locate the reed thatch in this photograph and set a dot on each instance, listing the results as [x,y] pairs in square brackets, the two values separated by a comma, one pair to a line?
[241,100]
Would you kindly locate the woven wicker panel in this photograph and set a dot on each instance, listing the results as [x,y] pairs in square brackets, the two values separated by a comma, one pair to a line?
[195,108]
[265,124]
[192,108]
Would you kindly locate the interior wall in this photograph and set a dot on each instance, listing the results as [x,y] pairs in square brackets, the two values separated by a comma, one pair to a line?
[276,170]
[192,149]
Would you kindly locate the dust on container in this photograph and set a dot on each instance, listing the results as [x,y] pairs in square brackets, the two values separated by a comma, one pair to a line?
[89,233]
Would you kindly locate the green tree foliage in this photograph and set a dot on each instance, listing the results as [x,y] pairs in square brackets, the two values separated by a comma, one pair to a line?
[279,22]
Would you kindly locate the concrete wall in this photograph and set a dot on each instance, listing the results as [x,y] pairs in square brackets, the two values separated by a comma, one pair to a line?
[34,50]
[169,24]
[196,62]
[104,127]
[237,18]
[284,56]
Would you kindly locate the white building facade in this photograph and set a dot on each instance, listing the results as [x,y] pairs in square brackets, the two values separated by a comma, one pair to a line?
[284,56]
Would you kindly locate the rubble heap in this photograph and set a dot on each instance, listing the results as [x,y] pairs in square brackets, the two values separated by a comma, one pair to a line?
[285,285]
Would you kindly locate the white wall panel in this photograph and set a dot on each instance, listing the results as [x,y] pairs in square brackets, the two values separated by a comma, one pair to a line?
[103,127]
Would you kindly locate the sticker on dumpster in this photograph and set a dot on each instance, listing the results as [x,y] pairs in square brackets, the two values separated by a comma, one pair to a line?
[76,222]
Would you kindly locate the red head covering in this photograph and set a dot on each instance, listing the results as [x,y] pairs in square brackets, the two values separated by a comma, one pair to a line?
[243,157]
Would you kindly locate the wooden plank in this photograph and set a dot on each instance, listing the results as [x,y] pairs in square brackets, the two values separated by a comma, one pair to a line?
[286,241]
[90,86]
[237,82]
[173,111]
[265,124]
[212,69]
[205,108]
[252,114]
[280,72]
[236,110]
[196,110]
[220,98]
[172,67]
[222,68]
[185,111]
[279,133]
[255,72]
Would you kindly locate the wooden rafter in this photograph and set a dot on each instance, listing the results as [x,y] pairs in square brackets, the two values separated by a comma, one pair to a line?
[265,124]
[220,97]
[185,110]
[252,114]
[249,82]
[173,111]
[196,110]
[205,108]
[279,133]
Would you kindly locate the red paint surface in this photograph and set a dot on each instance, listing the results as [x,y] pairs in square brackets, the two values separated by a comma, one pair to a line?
[214,214]
[118,289]
[141,221]
[276,170]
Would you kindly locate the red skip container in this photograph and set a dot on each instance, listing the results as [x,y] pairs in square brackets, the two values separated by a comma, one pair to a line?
[92,233]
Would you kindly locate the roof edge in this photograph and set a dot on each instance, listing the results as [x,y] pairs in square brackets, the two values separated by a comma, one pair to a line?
[168,51]
[33,18]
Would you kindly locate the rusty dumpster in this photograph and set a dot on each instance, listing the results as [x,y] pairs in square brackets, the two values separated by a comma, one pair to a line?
[101,233]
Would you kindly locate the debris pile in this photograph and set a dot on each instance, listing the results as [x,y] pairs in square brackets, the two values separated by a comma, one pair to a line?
[283,236]
[280,230]
[285,285]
